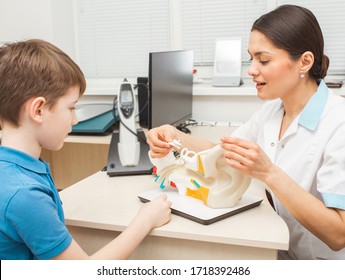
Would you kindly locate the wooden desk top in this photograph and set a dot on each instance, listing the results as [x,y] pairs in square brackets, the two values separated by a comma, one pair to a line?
[87,139]
[110,203]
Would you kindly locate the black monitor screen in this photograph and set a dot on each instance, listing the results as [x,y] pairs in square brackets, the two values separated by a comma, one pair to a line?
[170,87]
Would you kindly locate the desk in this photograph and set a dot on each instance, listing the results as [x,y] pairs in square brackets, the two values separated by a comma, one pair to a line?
[99,207]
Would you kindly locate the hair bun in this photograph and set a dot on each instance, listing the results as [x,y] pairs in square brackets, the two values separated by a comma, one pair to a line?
[324,66]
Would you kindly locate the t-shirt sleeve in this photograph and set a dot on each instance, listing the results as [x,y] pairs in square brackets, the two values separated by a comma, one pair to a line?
[33,218]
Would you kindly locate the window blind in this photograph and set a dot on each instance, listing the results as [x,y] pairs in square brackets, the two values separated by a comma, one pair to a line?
[204,21]
[115,37]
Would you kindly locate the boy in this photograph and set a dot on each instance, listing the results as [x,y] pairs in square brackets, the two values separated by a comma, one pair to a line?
[39,87]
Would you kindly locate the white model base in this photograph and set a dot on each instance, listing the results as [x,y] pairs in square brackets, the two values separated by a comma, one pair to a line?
[129,153]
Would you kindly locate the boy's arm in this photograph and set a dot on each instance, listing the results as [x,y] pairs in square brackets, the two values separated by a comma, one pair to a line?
[151,215]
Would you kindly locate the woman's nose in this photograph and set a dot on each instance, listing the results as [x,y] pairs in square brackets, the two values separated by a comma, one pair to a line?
[253,70]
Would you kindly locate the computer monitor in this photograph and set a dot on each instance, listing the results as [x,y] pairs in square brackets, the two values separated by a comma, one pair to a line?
[170,87]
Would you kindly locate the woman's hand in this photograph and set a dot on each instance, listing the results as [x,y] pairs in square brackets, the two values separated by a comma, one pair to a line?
[158,138]
[247,157]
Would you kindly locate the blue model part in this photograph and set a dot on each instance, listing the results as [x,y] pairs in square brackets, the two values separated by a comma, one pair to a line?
[162,186]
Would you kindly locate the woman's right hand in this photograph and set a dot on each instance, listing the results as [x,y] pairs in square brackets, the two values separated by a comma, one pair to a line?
[158,138]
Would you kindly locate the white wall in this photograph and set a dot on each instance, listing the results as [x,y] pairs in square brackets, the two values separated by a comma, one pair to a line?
[225,108]
[20,19]
[50,20]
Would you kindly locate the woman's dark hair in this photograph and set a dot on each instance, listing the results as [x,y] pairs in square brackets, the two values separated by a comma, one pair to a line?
[296,30]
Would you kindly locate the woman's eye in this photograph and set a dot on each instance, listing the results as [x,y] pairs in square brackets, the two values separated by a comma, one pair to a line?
[263,62]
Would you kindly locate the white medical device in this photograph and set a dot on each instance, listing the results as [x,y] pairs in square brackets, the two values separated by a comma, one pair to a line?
[128,146]
[227,62]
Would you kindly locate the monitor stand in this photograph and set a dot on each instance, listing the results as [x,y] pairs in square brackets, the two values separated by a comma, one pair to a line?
[114,166]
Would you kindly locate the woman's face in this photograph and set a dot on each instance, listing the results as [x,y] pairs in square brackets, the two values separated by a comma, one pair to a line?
[273,71]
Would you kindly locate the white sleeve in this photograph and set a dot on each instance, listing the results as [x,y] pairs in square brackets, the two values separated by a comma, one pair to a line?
[331,175]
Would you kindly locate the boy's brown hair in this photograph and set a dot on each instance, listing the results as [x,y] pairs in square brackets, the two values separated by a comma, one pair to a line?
[34,68]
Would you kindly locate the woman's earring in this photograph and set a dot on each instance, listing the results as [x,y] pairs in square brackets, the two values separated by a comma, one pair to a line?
[301,75]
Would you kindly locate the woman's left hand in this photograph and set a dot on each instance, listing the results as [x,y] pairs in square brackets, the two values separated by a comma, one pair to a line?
[247,157]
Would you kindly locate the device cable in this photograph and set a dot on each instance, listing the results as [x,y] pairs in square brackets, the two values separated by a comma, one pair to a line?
[148,95]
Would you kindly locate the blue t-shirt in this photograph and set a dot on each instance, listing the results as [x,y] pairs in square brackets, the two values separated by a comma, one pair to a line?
[31,215]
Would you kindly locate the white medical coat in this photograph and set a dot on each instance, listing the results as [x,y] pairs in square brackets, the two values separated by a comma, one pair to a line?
[311,152]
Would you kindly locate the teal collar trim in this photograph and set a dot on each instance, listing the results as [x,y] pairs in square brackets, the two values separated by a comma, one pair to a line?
[311,114]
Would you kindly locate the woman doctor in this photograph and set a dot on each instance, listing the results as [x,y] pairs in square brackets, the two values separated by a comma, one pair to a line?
[295,143]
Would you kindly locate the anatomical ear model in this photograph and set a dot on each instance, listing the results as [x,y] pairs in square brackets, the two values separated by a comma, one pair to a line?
[203,175]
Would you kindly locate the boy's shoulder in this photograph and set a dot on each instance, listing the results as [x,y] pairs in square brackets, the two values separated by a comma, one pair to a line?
[19,171]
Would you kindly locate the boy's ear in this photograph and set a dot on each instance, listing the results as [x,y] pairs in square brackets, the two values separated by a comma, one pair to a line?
[36,109]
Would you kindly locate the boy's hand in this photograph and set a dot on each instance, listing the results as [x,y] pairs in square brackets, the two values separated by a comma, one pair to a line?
[157,212]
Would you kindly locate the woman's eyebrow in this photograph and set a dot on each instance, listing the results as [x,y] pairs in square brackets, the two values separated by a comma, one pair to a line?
[259,53]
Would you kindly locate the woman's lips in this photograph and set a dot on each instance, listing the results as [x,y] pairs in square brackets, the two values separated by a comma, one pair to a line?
[259,85]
